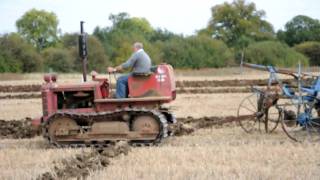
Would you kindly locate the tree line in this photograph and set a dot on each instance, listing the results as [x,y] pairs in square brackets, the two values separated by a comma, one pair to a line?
[235,30]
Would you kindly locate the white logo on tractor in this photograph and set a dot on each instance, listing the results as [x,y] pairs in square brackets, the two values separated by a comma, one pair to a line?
[161,77]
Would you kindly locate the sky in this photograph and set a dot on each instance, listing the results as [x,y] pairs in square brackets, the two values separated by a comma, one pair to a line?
[178,16]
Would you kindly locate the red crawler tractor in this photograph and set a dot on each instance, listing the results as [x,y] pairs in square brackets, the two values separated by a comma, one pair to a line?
[84,114]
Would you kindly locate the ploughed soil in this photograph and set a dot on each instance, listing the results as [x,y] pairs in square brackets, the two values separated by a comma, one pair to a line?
[185,126]
[83,163]
[21,96]
[17,129]
[20,88]
[179,84]
[179,91]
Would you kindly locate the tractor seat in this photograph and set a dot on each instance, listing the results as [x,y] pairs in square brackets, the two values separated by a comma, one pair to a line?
[153,69]
[147,74]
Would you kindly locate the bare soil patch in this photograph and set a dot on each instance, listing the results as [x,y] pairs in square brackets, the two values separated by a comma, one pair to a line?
[16,129]
[84,163]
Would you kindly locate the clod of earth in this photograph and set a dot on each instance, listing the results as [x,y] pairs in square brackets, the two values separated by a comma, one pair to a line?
[188,125]
[21,96]
[20,88]
[180,129]
[17,129]
[80,165]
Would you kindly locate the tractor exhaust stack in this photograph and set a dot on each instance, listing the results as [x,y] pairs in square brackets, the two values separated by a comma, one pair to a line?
[83,53]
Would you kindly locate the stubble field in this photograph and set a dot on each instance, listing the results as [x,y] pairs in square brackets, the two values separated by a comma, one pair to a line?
[211,151]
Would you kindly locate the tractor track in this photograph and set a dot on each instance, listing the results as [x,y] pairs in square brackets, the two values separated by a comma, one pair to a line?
[179,84]
[18,129]
[107,115]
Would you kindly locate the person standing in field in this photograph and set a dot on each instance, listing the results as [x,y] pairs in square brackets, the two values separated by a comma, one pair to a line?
[139,62]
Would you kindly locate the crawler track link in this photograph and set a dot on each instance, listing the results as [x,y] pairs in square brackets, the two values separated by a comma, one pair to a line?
[90,118]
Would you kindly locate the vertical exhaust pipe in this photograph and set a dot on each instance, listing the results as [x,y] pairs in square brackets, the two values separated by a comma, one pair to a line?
[83,53]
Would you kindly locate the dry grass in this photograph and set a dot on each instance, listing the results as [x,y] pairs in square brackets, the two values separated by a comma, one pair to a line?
[215,153]
[20,108]
[28,158]
[29,79]
[199,105]
[226,153]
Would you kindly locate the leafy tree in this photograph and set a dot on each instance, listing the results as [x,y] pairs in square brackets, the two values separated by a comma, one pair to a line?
[117,40]
[161,45]
[196,52]
[4,65]
[161,35]
[39,28]
[57,60]
[301,28]
[117,18]
[17,55]
[274,53]
[135,24]
[96,57]
[237,23]
[9,62]
[69,40]
[97,60]
[310,49]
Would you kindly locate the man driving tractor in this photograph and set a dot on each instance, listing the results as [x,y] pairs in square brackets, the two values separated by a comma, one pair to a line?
[139,62]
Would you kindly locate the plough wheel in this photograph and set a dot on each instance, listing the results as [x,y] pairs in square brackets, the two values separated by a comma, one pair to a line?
[272,119]
[248,112]
[295,129]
